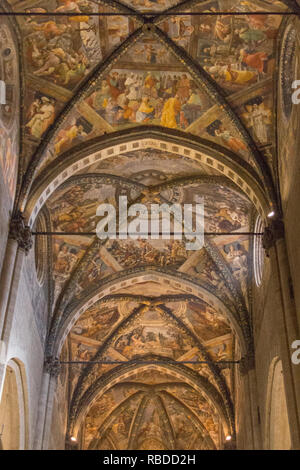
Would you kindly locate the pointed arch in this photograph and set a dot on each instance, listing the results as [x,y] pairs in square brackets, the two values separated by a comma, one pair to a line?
[146,137]
[200,76]
[107,178]
[214,368]
[14,413]
[63,325]
[119,373]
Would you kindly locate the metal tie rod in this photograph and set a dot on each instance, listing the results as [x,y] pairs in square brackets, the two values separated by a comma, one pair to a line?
[148,15]
[132,361]
[117,234]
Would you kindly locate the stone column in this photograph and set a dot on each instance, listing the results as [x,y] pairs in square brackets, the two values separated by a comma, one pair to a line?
[18,244]
[248,374]
[287,322]
[2,366]
[6,278]
[52,370]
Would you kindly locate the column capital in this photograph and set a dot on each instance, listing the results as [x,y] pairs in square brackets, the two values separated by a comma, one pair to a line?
[52,366]
[247,363]
[20,232]
[273,232]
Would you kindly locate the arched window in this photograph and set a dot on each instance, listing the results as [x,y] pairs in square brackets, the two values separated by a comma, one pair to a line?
[13,410]
[258,252]
[278,435]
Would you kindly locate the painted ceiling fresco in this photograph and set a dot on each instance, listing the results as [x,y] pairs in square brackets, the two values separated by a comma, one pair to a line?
[115,303]
[168,419]
[73,209]
[148,82]
[129,328]
[100,335]
[153,94]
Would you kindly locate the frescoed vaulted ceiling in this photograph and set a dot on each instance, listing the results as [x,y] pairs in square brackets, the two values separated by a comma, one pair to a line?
[141,77]
[176,109]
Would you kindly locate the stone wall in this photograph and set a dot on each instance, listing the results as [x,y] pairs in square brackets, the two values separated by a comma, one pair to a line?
[288,152]
[267,299]
[25,346]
